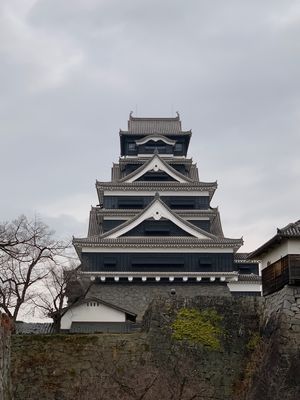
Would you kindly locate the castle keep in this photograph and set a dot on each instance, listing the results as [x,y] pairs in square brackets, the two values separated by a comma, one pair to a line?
[154,230]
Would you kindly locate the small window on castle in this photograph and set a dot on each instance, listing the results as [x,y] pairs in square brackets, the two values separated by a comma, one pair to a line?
[178,147]
[131,146]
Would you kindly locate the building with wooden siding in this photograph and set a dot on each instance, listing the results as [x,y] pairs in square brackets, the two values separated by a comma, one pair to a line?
[155,226]
[280,258]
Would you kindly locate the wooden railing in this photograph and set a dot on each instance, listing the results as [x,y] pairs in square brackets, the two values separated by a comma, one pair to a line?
[294,265]
[282,272]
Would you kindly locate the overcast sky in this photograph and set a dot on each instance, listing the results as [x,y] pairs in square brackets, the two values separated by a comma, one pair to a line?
[72,70]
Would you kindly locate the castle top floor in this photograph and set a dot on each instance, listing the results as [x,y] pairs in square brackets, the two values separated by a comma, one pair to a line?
[146,136]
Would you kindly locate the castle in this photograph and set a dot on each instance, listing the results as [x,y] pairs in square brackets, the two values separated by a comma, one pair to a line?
[154,230]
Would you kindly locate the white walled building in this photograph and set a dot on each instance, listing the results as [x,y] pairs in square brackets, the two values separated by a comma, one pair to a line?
[280,259]
[91,315]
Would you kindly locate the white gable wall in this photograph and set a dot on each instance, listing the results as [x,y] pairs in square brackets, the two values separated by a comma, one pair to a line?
[294,246]
[156,165]
[91,313]
[274,254]
[291,246]
[244,287]
[158,211]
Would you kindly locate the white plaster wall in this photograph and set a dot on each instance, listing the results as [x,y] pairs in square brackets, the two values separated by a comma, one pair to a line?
[275,254]
[294,246]
[244,287]
[97,313]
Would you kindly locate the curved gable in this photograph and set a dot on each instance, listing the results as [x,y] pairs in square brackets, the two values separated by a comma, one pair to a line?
[156,164]
[158,210]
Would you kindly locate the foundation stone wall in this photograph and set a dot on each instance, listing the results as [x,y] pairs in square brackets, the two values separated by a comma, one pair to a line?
[258,356]
[5,330]
[137,297]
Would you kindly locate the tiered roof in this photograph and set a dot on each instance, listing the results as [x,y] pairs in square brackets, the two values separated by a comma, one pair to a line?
[150,242]
[158,209]
[162,126]
[154,186]
[290,231]
[200,238]
[97,215]
[157,161]
[189,185]
[118,169]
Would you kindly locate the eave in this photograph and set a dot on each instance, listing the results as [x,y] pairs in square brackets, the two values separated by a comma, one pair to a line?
[275,240]
[129,133]
[212,214]
[232,276]
[155,187]
[157,209]
[156,161]
[140,160]
[132,212]
[156,243]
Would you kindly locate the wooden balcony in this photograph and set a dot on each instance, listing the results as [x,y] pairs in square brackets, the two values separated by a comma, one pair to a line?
[285,271]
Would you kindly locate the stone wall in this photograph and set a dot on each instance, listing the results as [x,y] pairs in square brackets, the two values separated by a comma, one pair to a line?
[149,365]
[137,297]
[276,363]
[5,328]
[258,357]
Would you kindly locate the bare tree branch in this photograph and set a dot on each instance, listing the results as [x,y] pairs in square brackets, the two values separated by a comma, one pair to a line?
[28,252]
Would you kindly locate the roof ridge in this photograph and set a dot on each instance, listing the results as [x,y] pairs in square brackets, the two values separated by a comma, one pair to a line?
[295,224]
[188,224]
[131,118]
[148,162]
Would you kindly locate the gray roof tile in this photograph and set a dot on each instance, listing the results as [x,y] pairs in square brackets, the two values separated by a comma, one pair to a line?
[168,166]
[164,126]
[33,328]
[290,231]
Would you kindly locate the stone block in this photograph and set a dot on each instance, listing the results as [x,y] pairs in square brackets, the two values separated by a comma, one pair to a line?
[296,328]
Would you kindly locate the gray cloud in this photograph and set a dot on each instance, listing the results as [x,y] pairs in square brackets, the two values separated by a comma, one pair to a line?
[72,70]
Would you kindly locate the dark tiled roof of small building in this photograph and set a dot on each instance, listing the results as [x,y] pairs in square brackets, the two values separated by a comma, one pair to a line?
[290,231]
[104,327]
[33,328]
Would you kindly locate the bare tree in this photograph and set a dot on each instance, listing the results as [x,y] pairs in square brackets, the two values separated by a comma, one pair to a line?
[28,252]
[52,299]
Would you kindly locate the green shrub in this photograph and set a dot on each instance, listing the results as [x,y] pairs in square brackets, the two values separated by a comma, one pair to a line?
[201,327]
[254,341]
